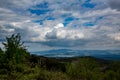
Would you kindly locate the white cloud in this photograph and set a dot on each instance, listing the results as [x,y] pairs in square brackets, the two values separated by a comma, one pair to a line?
[64,33]
[15,18]
[56,32]
[115,36]
[60,25]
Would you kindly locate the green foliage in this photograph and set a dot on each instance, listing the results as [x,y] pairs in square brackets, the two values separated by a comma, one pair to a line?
[84,69]
[17,64]
[14,55]
[90,69]
[2,56]
[49,75]
[15,52]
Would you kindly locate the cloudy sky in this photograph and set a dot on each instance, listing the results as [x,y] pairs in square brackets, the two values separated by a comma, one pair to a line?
[62,24]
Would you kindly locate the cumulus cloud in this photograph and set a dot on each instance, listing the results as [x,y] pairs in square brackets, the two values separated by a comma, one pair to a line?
[63,33]
[87,28]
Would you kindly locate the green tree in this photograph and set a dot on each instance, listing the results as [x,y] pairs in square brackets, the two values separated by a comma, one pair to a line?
[1,56]
[15,51]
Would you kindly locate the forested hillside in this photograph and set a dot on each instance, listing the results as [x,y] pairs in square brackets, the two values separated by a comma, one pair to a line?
[16,63]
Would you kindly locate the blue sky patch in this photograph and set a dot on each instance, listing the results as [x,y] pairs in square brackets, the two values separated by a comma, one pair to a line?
[38,12]
[42,5]
[40,9]
[50,18]
[89,24]
[39,21]
[87,4]
[68,20]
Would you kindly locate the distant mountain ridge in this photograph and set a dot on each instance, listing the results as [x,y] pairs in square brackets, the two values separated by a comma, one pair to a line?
[104,54]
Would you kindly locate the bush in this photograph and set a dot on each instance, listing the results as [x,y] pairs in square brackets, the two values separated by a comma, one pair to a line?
[85,69]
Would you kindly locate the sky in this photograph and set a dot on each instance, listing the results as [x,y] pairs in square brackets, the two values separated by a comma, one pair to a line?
[62,24]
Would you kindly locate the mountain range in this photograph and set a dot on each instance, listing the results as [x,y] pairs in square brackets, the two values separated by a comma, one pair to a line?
[63,53]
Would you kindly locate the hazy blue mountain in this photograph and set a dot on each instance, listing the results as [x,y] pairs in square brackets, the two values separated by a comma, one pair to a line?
[104,54]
